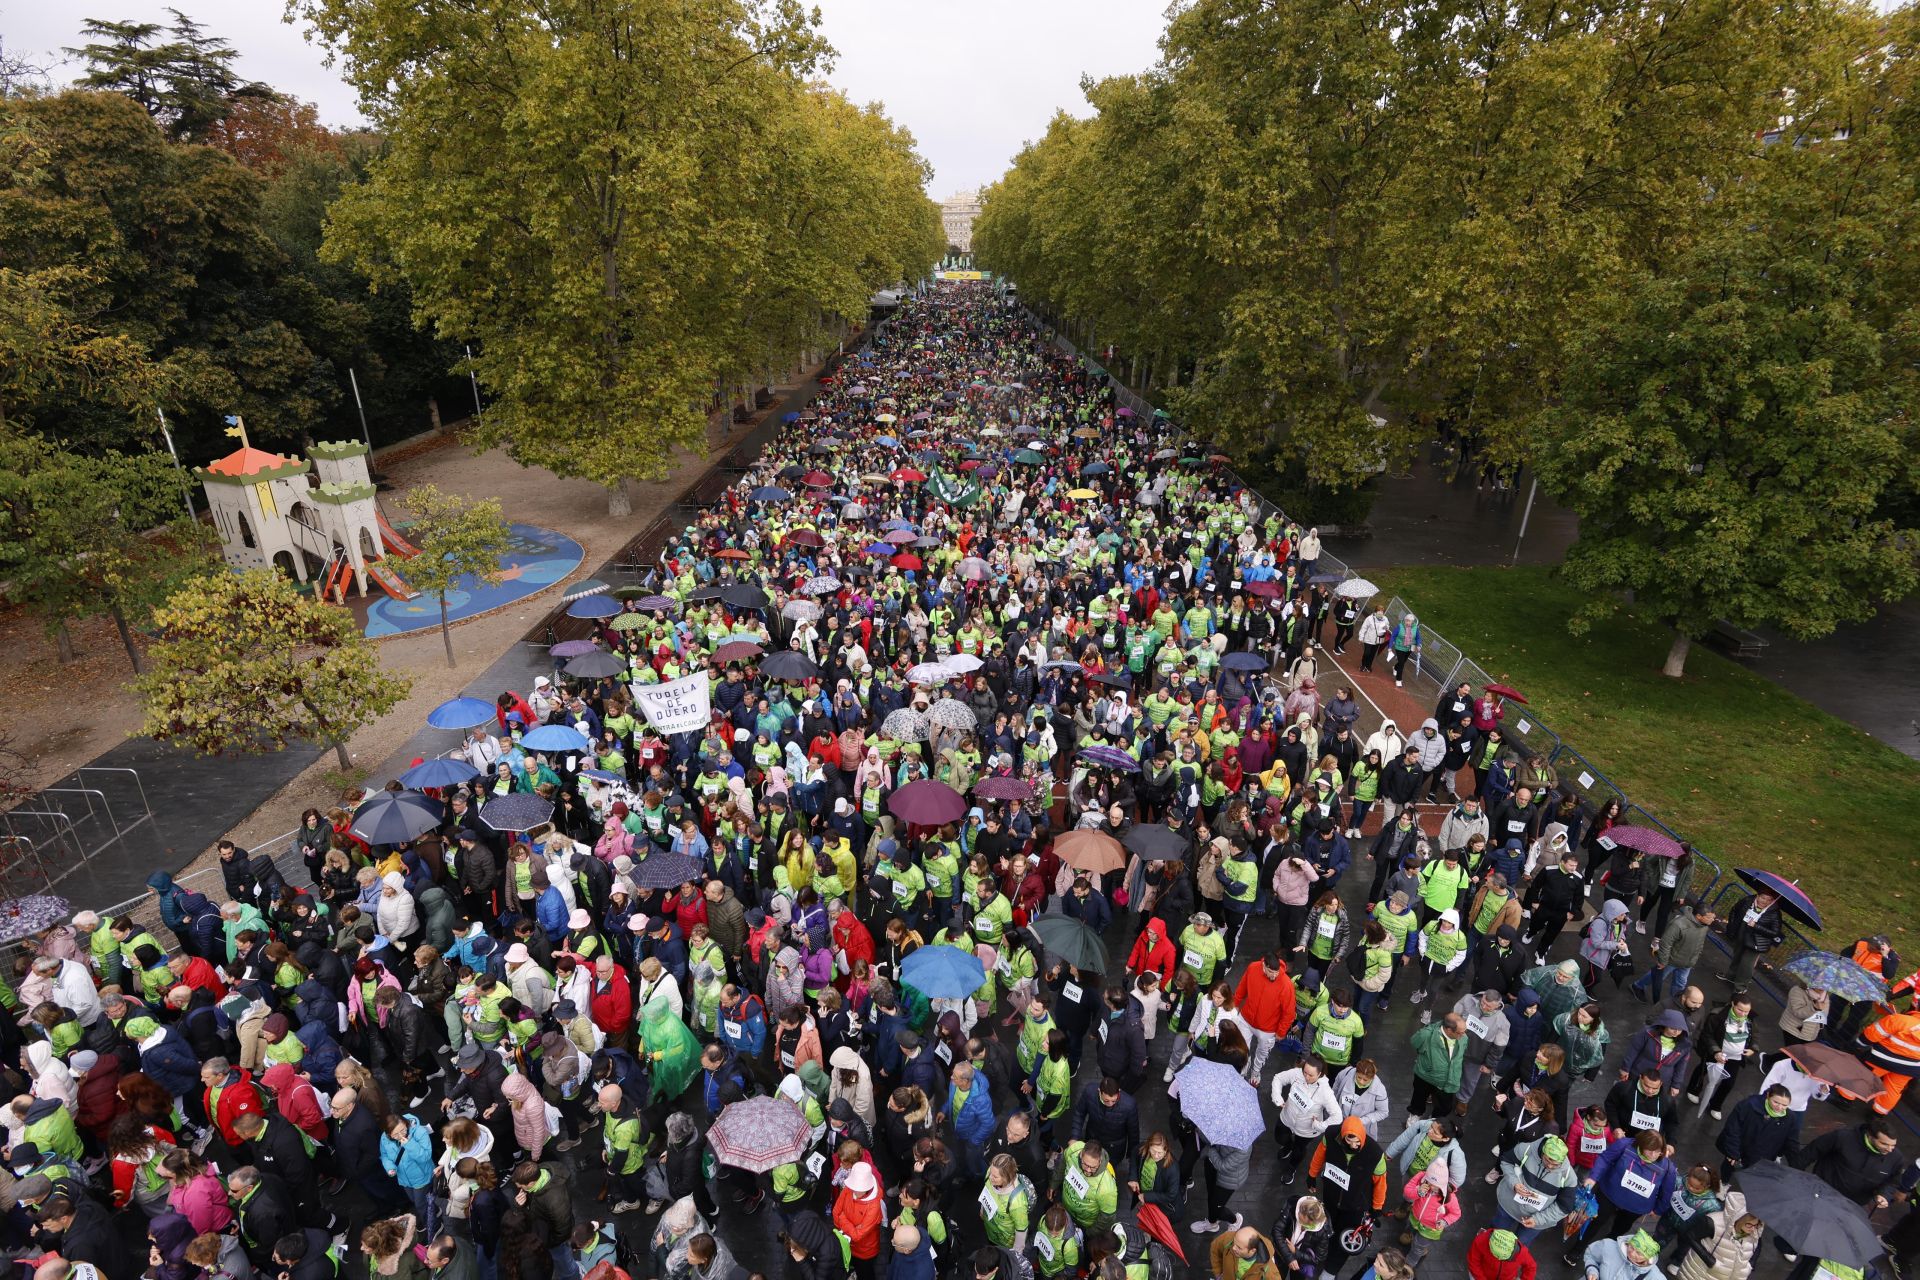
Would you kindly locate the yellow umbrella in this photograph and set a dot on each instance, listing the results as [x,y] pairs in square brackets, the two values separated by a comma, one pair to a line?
[887,418]
[1082,494]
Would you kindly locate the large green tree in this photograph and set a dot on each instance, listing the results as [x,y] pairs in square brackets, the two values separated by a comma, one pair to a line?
[585,189]
[245,663]
[181,75]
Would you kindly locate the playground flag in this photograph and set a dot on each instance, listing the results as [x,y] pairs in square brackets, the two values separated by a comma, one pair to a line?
[678,706]
[237,429]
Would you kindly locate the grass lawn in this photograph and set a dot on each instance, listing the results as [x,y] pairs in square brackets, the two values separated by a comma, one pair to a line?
[1745,770]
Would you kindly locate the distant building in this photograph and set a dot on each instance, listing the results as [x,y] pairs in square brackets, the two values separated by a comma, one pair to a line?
[957,213]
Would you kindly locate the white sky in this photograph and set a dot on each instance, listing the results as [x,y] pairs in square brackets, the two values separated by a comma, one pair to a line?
[973,81]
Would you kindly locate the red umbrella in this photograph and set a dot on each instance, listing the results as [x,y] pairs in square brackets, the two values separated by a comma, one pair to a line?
[1652,842]
[1263,589]
[817,480]
[1151,1220]
[735,650]
[1508,692]
[806,538]
[731,553]
[970,464]
[927,803]
[907,475]
[905,560]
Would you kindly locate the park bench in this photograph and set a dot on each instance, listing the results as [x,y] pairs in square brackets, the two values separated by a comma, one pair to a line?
[1735,642]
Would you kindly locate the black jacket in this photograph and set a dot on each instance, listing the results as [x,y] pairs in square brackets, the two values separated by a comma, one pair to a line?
[1312,1248]
[1764,934]
[281,1150]
[1123,1046]
[319,1263]
[407,1034]
[92,1238]
[1117,1128]
[356,1147]
[1842,1159]
[266,1216]
[552,1207]
[482,1086]
[1752,1136]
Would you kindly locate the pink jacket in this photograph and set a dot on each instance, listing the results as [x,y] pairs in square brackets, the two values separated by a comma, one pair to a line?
[1426,1209]
[529,1112]
[203,1202]
[1294,885]
[356,1007]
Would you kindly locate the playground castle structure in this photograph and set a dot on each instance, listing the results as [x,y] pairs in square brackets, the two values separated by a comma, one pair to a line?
[316,520]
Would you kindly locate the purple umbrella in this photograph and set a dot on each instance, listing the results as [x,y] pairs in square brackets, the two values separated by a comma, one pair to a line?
[1217,1102]
[1793,898]
[1001,787]
[1111,758]
[1654,843]
[573,648]
[927,803]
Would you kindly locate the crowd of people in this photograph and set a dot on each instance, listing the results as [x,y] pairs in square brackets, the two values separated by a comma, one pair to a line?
[986,653]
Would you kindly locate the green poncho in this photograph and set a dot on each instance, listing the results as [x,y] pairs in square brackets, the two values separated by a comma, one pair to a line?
[672,1052]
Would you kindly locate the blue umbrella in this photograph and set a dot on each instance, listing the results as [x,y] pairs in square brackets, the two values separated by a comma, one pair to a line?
[461,713]
[769,493]
[790,417]
[554,737]
[395,816]
[604,775]
[595,606]
[1095,469]
[888,526]
[1837,974]
[1793,899]
[442,772]
[1244,660]
[881,549]
[521,811]
[942,972]
[1217,1102]
[888,441]
[1110,758]
[587,587]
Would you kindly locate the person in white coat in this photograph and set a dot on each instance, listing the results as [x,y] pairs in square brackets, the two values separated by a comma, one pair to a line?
[1387,740]
[529,981]
[395,915]
[1308,1108]
[72,987]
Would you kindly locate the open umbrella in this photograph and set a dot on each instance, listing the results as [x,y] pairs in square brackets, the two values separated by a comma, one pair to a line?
[1072,940]
[657,604]
[1648,840]
[769,493]
[1114,679]
[1089,850]
[941,972]
[800,610]
[521,811]
[759,1134]
[1356,588]
[1155,842]
[662,870]
[391,817]
[806,538]
[1813,1218]
[951,713]
[1793,899]
[1081,495]
[929,673]
[1838,974]
[1508,692]
[462,713]
[442,772]
[1835,1066]
[1263,587]
[593,606]
[1002,787]
[820,585]
[628,622]
[744,597]
[789,664]
[594,666]
[1244,660]
[584,588]
[927,803]
[1219,1103]
[1110,758]
[555,737]
[905,724]
[964,663]
[738,651]
[906,560]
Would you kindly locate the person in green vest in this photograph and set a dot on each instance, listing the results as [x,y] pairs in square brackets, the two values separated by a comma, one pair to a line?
[130,937]
[1378,950]
[625,1143]
[1056,1244]
[1050,1082]
[1202,949]
[899,883]
[156,979]
[920,1208]
[994,916]
[1443,948]
[1442,881]
[1239,874]
[1087,1186]
[1006,1204]
[1336,1028]
[94,937]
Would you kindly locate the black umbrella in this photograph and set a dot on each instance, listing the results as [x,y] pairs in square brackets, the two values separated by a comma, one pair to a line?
[521,811]
[395,816]
[592,666]
[745,597]
[789,664]
[700,595]
[1118,679]
[664,871]
[1155,842]
[1072,940]
[791,471]
[1813,1218]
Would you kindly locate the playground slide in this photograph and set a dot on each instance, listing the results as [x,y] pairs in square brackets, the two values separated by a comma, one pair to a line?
[389,581]
[338,581]
[395,543]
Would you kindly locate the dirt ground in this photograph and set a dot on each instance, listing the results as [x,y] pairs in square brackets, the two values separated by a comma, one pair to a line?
[56,733]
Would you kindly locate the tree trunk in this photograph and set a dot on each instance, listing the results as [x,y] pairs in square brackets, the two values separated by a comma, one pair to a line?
[619,503]
[433,415]
[63,643]
[1676,665]
[126,638]
[340,754]
[446,632]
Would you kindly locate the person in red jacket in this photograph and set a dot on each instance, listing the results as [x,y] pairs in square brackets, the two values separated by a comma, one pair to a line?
[298,1100]
[1153,952]
[1499,1255]
[511,703]
[854,940]
[611,1007]
[857,1215]
[1265,998]
[231,1093]
[96,1081]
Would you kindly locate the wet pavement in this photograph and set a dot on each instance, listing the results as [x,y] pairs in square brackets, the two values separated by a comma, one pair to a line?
[1866,674]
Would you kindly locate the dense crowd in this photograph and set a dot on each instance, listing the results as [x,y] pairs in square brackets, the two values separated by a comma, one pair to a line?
[1001,676]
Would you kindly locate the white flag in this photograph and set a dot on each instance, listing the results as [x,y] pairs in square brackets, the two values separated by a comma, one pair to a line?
[677,706]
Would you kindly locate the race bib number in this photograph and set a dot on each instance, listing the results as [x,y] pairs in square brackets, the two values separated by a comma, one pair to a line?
[989,1207]
[815,1163]
[1071,992]
[1101,1031]
[1193,960]
[1528,1197]
[1043,1246]
[903,891]
[1329,925]
[1337,1176]
[786,1060]
[1476,1025]
[1681,1209]
[1332,1042]
[1752,918]
[734,1031]
[1077,1181]
[944,1052]
[1669,876]
[1636,1182]
[1592,1146]
[1641,1120]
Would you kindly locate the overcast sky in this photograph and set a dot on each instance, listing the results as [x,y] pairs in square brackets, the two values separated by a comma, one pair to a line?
[972,81]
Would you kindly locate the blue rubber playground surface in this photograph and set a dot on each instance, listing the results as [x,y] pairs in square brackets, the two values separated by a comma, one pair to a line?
[535,558]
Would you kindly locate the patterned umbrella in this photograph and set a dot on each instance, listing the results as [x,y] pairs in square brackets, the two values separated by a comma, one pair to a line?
[800,610]
[662,870]
[1217,1102]
[927,803]
[905,724]
[657,604]
[929,673]
[1111,758]
[587,587]
[521,811]
[1654,843]
[395,816]
[951,713]
[1356,587]
[1001,787]
[760,1134]
[628,622]
[824,584]
[1793,899]
[1838,974]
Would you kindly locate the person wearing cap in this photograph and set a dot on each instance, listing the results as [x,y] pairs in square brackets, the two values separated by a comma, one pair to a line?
[858,1213]
[1498,1253]
[1352,1172]
[1537,1187]
[1628,1257]
[1202,949]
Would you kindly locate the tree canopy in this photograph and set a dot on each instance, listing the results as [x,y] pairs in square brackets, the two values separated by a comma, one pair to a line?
[458,537]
